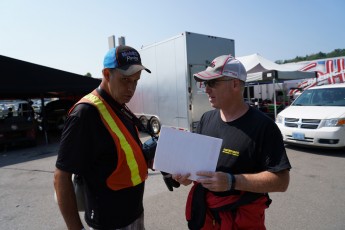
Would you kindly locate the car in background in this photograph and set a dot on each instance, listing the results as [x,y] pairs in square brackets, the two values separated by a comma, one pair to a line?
[37,103]
[17,130]
[26,110]
[315,118]
[6,107]
[55,114]
[3,110]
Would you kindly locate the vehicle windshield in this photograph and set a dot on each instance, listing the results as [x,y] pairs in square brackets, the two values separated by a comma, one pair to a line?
[321,97]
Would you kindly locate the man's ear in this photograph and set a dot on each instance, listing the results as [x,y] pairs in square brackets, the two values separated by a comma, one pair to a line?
[106,74]
[237,83]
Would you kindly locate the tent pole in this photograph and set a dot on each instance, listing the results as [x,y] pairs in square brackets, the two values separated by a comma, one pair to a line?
[43,114]
[274,98]
[248,94]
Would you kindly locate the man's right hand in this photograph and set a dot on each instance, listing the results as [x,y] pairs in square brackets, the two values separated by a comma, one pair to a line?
[169,181]
[182,179]
[66,199]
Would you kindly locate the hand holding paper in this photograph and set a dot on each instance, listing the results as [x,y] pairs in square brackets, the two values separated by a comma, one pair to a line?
[181,152]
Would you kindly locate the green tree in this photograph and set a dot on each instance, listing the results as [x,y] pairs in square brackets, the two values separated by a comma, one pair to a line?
[319,55]
[336,53]
[88,74]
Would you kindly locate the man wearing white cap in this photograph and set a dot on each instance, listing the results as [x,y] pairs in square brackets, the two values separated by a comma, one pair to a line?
[252,161]
[100,144]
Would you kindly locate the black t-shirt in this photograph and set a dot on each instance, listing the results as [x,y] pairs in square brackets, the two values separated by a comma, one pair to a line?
[87,149]
[252,143]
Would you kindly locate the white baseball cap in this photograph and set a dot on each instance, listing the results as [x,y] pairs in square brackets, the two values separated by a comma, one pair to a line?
[224,65]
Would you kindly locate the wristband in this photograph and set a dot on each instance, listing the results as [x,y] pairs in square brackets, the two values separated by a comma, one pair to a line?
[231,181]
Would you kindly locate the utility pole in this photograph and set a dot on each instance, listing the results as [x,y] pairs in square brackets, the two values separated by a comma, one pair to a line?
[112,44]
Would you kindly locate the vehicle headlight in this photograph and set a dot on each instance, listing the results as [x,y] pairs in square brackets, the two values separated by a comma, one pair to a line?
[333,122]
[279,119]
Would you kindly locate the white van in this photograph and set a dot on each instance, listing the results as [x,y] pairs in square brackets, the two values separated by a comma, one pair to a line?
[315,118]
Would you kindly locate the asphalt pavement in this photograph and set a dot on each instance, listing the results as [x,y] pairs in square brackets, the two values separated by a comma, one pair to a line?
[315,198]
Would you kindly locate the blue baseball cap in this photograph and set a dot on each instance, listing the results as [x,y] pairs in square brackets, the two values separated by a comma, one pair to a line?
[124,58]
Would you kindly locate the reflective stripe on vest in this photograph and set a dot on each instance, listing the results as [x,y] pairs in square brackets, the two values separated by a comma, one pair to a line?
[131,168]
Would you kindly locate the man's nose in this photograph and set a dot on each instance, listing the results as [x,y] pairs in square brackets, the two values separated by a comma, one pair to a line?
[131,87]
[207,89]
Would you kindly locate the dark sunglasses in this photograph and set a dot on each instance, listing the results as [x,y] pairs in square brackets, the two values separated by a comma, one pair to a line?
[212,83]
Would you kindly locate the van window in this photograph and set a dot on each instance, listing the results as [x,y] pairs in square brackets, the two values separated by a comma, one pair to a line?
[321,97]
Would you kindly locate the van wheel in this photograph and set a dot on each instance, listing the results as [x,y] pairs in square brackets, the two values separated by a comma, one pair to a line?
[154,125]
[144,121]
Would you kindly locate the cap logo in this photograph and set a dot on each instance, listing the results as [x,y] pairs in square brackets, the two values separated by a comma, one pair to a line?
[212,64]
[132,58]
[129,53]
[235,74]
[128,57]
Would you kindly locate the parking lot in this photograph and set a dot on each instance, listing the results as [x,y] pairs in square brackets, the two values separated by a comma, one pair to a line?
[315,198]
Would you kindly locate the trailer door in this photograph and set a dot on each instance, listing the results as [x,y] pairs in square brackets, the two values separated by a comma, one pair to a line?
[199,102]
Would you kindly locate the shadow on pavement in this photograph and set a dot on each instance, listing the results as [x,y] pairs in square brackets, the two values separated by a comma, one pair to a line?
[318,151]
[21,152]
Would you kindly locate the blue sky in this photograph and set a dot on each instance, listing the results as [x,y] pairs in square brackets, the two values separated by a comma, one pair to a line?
[72,35]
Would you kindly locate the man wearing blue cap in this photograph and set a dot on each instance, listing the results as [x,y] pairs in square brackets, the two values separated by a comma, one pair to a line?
[100,144]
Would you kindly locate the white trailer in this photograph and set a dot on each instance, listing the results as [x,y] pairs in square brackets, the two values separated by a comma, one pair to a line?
[169,95]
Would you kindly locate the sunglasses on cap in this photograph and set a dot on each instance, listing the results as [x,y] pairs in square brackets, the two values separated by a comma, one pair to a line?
[212,83]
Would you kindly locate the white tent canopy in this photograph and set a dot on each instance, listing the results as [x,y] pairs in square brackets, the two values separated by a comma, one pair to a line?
[260,69]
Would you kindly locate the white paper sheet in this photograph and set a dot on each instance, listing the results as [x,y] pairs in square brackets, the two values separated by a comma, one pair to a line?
[185,152]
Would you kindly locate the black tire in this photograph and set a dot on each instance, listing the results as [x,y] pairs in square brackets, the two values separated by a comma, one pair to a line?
[144,121]
[154,125]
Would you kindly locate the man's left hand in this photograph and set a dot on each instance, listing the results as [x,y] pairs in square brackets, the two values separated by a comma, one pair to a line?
[214,181]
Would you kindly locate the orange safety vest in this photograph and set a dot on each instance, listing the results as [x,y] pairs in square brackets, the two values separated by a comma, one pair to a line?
[131,168]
